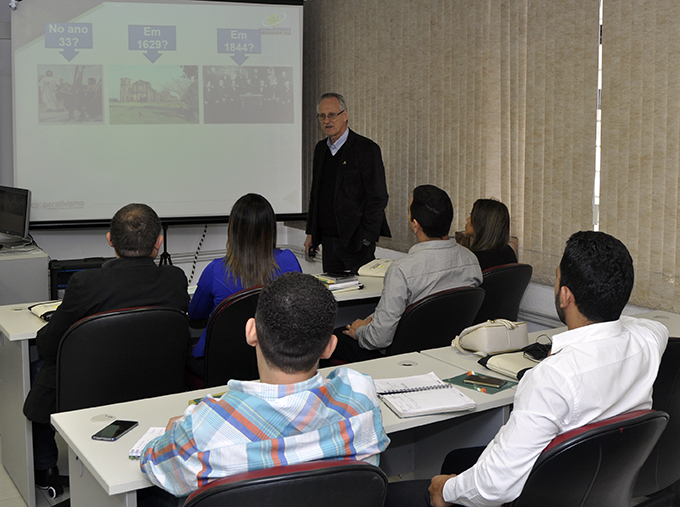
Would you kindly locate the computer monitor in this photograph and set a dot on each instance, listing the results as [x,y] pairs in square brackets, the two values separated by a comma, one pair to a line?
[15,207]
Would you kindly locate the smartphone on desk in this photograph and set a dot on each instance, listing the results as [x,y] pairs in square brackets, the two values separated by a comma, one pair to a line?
[483,380]
[114,431]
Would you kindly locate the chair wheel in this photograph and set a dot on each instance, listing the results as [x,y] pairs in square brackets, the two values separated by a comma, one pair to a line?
[55,491]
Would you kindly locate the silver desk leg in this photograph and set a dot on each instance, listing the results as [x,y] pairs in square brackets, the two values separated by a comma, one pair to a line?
[17,435]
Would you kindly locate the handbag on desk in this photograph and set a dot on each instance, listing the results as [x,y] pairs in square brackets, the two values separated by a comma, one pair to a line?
[516,364]
[510,364]
[492,336]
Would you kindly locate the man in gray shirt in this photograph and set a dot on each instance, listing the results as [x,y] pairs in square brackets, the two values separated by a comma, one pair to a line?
[434,264]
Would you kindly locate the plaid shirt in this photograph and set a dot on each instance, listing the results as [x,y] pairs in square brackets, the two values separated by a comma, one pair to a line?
[256,425]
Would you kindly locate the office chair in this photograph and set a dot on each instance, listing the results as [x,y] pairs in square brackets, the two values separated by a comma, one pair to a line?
[595,465]
[660,475]
[504,287]
[121,355]
[332,483]
[227,355]
[436,319]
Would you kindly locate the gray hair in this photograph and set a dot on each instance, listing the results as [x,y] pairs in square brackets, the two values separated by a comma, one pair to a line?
[333,95]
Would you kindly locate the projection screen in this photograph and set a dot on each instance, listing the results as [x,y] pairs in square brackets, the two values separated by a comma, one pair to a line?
[183,105]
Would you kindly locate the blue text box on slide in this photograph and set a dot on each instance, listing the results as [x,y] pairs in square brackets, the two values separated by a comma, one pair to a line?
[152,39]
[68,37]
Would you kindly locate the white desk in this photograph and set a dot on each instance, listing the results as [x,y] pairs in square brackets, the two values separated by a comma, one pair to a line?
[415,363]
[17,326]
[420,444]
[670,320]
[452,355]
[100,472]
[372,289]
[102,475]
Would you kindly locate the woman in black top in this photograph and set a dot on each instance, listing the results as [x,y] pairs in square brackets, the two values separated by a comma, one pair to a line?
[488,229]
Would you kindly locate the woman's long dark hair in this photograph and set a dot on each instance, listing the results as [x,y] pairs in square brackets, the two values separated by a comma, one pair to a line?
[251,239]
[490,220]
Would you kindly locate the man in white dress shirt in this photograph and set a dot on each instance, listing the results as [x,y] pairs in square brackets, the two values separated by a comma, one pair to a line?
[605,364]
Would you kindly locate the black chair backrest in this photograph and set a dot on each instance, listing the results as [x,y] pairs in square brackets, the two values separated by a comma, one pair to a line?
[504,287]
[593,466]
[227,355]
[328,483]
[662,468]
[122,355]
[436,319]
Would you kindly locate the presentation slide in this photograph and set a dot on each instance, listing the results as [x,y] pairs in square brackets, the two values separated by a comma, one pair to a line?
[183,105]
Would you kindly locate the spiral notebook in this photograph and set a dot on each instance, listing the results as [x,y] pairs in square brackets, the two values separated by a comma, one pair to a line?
[421,395]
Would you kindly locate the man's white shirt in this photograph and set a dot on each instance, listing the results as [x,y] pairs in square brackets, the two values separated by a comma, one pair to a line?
[593,373]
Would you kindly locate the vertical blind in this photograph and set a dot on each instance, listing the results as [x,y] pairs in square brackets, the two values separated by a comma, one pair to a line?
[492,98]
[640,142]
[560,114]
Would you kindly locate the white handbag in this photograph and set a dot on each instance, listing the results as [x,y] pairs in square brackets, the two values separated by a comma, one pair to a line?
[492,336]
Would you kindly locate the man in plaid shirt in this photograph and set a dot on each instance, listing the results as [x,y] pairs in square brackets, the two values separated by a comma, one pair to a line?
[292,415]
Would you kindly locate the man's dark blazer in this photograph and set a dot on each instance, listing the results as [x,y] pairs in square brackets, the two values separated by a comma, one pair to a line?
[360,193]
[120,283]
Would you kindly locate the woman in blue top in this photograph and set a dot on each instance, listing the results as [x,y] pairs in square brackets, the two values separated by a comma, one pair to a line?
[252,259]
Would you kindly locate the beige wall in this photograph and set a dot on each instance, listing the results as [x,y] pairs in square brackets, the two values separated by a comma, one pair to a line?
[407,88]
[491,98]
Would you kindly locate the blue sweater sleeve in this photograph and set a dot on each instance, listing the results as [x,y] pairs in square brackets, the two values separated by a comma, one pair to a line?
[286,261]
[201,304]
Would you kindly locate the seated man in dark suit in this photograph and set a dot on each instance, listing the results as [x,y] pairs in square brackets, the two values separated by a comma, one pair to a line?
[132,279]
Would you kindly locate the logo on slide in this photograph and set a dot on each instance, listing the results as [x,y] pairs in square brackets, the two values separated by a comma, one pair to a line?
[57,205]
[273,20]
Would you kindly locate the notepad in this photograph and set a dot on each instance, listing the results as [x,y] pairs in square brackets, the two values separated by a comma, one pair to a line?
[45,310]
[421,395]
[334,283]
[138,448]
[377,267]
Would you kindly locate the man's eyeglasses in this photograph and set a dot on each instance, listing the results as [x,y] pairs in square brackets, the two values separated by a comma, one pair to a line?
[330,116]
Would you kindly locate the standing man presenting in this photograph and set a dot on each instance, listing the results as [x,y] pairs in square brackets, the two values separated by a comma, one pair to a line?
[349,194]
